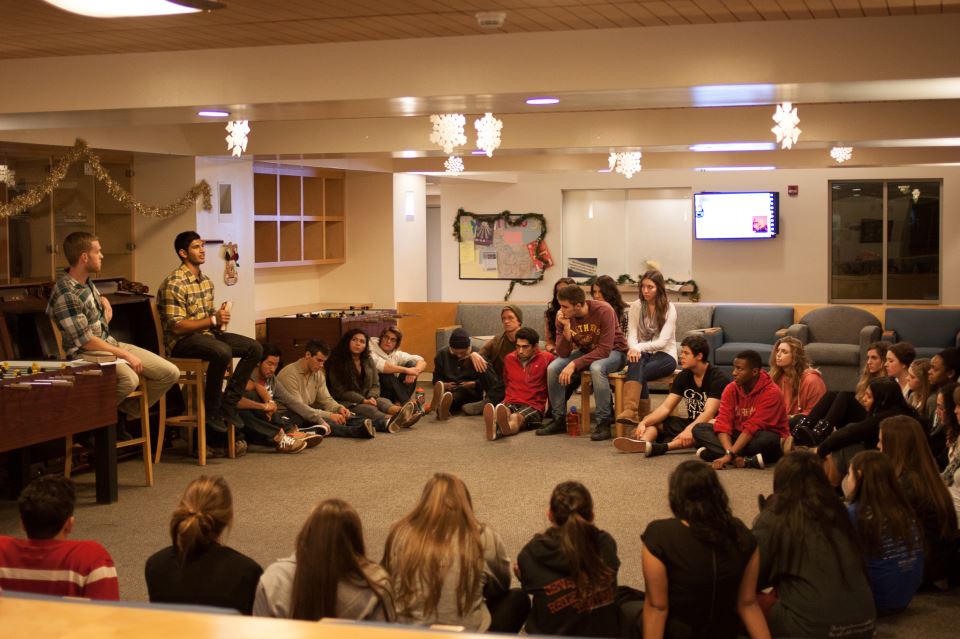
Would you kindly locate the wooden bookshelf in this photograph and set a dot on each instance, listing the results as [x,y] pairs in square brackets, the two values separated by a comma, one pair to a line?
[299,215]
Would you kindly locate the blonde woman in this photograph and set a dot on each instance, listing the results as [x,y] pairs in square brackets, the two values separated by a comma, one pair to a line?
[447,568]
[801,385]
[918,383]
[197,568]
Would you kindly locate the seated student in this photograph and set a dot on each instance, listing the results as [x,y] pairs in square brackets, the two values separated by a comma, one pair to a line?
[953,481]
[588,338]
[397,370]
[801,385]
[700,385]
[949,393]
[492,354]
[605,289]
[918,382]
[570,570]
[261,416]
[944,367]
[700,567]
[305,393]
[46,562]
[354,383]
[525,376]
[329,575]
[448,568]
[751,420]
[196,568]
[897,365]
[550,315]
[887,528]
[882,399]
[810,555]
[651,343]
[902,439]
[456,382]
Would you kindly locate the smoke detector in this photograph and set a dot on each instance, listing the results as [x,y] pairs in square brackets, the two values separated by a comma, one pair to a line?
[491,19]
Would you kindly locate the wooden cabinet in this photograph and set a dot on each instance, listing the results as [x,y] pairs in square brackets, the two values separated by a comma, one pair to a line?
[299,215]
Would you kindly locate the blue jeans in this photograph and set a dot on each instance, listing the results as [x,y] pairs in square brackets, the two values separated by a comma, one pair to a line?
[598,374]
[650,366]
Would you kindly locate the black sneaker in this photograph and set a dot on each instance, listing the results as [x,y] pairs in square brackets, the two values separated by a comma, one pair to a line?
[602,433]
[656,449]
[555,427]
[756,461]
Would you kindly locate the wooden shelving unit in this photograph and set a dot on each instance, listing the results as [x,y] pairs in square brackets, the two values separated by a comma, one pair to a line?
[299,216]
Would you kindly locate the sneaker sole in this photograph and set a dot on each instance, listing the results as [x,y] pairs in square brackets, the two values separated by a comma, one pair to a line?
[627,445]
[435,398]
[503,418]
[489,424]
[443,410]
[293,449]
[312,441]
[408,415]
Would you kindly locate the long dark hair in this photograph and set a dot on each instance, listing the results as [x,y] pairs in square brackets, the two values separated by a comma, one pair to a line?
[662,302]
[330,549]
[805,504]
[697,497]
[571,508]
[611,294]
[553,306]
[950,425]
[888,398]
[340,365]
[883,511]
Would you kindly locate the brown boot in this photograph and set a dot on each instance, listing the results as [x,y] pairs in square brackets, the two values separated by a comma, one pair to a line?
[643,409]
[631,398]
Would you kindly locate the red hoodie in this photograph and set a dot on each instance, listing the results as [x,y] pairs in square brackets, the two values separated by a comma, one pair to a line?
[761,409]
[527,384]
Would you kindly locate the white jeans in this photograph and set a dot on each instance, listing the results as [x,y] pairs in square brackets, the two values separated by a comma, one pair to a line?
[159,374]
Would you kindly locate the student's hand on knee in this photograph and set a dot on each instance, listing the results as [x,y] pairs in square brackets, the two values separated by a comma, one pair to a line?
[566,375]
[633,355]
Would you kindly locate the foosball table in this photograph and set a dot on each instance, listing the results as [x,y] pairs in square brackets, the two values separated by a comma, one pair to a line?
[41,401]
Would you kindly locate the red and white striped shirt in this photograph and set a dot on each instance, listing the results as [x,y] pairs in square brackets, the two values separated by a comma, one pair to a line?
[58,567]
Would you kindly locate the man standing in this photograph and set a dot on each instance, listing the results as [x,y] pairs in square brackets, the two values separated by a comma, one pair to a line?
[700,385]
[304,391]
[588,337]
[751,422]
[193,329]
[398,370]
[83,317]
[525,378]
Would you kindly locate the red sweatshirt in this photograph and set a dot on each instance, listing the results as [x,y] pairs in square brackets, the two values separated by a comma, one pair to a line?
[596,335]
[761,409]
[527,384]
[58,567]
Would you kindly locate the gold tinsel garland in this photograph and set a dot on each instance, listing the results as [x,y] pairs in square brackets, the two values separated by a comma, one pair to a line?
[80,151]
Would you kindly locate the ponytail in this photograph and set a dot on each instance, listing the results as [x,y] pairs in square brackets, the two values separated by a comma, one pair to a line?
[204,511]
[571,507]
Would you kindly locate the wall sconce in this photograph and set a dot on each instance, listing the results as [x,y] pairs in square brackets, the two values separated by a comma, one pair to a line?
[409,207]
[590,212]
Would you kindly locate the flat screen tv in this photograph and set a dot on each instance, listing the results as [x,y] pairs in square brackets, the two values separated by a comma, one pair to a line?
[736,216]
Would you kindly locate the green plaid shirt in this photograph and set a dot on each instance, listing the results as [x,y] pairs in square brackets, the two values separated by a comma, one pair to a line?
[77,310]
[183,296]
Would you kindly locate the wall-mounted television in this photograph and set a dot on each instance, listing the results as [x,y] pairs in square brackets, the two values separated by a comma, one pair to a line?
[736,216]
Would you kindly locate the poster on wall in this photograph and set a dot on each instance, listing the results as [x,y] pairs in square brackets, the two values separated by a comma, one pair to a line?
[502,247]
[582,267]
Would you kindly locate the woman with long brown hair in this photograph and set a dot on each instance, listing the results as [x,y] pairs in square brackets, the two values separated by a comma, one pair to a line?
[652,345]
[329,575]
[897,364]
[605,289]
[197,568]
[448,568]
[801,385]
[903,440]
[570,570]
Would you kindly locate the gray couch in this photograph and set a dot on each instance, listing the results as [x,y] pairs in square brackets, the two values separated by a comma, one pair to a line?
[836,339]
[740,327]
[930,330]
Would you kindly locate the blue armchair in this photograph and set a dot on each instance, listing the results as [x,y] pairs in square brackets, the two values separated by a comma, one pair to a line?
[930,330]
[739,327]
[836,340]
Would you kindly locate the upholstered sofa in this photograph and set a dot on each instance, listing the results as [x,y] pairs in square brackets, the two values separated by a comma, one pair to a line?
[836,340]
[739,327]
[930,330]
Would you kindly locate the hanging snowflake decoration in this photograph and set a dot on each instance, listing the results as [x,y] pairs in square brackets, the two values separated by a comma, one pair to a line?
[626,163]
[915,194]
[787,120]
[237,140]
[448,131]
[7,175]
[488,133]
[454,165]
[841,153]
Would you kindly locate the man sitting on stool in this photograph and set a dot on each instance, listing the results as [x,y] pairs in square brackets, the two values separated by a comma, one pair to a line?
[525,376]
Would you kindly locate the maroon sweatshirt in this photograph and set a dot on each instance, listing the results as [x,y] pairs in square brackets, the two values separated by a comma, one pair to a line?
[596,335]
[760,409]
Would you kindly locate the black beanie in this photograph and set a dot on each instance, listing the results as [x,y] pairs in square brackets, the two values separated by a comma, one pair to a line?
[460,338]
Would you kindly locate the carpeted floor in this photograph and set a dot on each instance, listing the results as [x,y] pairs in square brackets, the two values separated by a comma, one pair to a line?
[510,481]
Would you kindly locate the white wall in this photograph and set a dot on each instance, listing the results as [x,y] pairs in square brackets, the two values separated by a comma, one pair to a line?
[409,239]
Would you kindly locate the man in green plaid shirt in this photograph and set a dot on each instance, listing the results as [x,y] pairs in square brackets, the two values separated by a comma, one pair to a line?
[192,328]
[83,317]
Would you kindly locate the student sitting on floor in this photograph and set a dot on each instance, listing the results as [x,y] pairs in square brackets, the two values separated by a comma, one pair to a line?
[397,370]
[448,568]
[700,385]
[46,562]
[197,568]
[801,385]
[525,375]
[570,570]
[329,575]
[456,381]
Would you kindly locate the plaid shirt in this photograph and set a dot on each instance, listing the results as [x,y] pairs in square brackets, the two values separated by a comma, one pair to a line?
[77,310]
[183,296]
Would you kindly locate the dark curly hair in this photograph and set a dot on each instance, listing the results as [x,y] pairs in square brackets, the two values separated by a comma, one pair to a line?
[340,363]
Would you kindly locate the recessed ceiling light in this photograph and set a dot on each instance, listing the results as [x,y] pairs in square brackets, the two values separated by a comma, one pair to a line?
[213,114]
[711,169]
[604,170]
[134,8]
[408,153]
[734,146]
[542,101]
[478,152]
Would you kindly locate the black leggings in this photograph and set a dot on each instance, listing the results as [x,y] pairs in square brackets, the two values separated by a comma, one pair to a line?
[839,408]
[509,611]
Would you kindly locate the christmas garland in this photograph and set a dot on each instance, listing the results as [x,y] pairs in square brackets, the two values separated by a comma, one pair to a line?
[626,279]
[80,151]
[511,219]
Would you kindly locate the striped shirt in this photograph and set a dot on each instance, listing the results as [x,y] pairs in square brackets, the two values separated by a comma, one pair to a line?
[183,296]
[58,567]
[77,310]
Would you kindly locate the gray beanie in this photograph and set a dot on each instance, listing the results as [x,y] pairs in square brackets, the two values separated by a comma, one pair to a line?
[516,311]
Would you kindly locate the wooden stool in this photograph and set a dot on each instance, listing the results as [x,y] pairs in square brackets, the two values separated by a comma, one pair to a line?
[616,383]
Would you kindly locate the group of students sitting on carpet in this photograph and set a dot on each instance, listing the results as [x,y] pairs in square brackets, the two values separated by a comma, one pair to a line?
[812,565]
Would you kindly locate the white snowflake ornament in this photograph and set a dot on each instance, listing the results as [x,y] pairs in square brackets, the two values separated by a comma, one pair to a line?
[454,165]
[237,140]
[7,175]
[787,120]
[841,153]
[488,133]
[626,163]
[448,131]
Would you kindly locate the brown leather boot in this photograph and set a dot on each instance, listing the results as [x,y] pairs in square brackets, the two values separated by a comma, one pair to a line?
[643,409]
[631,398]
